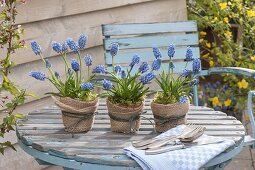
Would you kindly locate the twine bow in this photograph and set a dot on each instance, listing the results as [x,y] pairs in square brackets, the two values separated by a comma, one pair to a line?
[163,120]
[131,119]
[77,115]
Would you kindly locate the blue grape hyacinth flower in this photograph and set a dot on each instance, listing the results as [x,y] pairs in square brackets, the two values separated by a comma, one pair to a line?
[57,47]
[64,47]
[171,51]
[157,53]
[123,74]
[147,78]
[100,69]
[82,41]
[117,69]
[36,48]
[87,86]
[107,85]
[75,65]
[135,60]
[144,67]
[37,75]
[172,66]
[73,45]
[156,64]
[217,108]
[186,72]
[69,71]
[47,63]
[196,65]
[183,99]
[57,75]
[234,99]
[194,82]
[88,60]
[225,87]
[224,107]
[189,55]
[114,49]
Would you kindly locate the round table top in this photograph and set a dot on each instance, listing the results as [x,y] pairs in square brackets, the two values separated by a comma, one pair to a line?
[42,135]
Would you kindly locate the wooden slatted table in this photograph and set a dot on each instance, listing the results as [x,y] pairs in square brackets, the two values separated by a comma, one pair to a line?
[42,135]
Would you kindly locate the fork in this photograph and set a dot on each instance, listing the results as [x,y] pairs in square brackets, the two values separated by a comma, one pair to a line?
[168,148]
[149,141]
[161,142]
[193,128]
[193,135]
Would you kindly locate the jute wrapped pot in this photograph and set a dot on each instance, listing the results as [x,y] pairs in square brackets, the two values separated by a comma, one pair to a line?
[124,119]
[169,116]
[77,116]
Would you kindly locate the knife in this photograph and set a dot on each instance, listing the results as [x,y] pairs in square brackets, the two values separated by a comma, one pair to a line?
[168,148]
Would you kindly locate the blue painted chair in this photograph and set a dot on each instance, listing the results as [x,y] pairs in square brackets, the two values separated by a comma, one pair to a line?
[251,94]
[140,38]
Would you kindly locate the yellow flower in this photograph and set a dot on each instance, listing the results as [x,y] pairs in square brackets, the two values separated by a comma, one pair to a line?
[209,45]
[228,34]
[211,63]
[253,58]
[243,84]
[223,5]
[240,6]
[201,40]
[202,33]
[216,102]
[247,117]
[251,13]
[215,19]
[206,55]
[227,102]
[226,19]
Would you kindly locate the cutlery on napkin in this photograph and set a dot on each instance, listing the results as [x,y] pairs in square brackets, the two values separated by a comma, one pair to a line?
[180,146]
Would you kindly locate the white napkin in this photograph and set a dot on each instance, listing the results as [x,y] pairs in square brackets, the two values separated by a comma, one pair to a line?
[191,158]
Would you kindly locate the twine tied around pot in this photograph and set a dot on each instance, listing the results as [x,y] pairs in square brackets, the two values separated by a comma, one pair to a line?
[162,120]
[131,119]
[78,116]
[168,116]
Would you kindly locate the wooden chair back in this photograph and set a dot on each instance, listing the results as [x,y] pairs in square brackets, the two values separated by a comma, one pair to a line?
[141,38]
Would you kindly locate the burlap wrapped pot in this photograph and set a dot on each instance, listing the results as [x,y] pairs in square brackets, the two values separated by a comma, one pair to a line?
[124,119]
[169,116]
[77,116]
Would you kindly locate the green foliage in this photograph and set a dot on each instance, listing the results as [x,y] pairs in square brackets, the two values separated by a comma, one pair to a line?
[172,88]
[70,84]
[220,19]
[70,87]
[11,96]
[128,90]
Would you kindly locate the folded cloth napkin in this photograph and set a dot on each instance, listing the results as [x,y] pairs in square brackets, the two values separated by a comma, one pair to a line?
[191,158]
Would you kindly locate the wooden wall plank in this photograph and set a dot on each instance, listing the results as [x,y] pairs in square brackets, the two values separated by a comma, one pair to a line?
[48,9]
[179,66]
[150,41]
[147,55]
[59,29]
[140,28]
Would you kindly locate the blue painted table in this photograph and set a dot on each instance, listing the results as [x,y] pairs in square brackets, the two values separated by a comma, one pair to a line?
[42,135]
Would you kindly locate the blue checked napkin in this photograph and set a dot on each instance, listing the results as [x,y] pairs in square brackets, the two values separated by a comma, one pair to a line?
[191,158]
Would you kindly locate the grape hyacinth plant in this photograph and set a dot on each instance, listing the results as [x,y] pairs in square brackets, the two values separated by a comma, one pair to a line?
[176,89]
[127,86]
[73,84]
